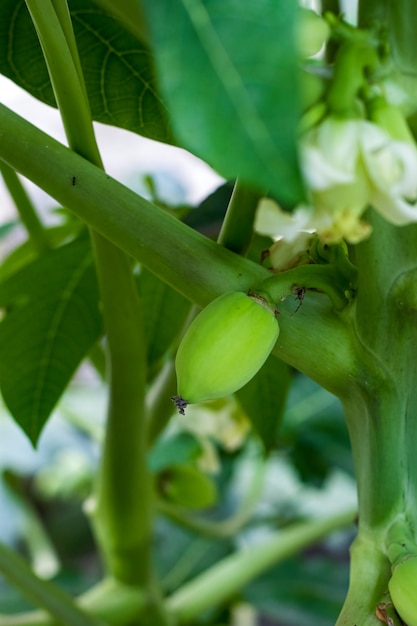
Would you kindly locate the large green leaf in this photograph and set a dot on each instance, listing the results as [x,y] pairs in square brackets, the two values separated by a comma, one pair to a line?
[228,71]
[51,321]
[117,67]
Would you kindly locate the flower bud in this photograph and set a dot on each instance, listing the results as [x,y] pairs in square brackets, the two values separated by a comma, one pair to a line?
[312,33]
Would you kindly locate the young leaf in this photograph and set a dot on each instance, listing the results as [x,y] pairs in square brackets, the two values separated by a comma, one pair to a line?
[117,67]
[51,322]
[264,398]
[228,72]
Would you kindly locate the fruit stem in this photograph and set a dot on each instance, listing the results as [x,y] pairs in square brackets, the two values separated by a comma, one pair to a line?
[322,278]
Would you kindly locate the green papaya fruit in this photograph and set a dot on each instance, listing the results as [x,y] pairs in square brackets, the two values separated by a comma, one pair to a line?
[403,589]
[224,347]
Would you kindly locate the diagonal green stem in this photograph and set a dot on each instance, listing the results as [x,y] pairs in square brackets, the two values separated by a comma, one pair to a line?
[25,208]
[114,603]
[216,585]
[45,594]
[189,262]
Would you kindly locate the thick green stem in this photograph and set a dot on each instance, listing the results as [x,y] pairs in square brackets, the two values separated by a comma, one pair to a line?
[369,574]
[25,208]
[124,501]
[188,261]
[54,29]
[381,410]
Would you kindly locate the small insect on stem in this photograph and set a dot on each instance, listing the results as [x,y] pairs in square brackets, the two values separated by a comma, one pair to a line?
[299,293]
[73,180]
[180,404]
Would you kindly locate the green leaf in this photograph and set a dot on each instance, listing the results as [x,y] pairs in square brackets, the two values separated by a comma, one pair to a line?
[228,71]
[315,433]
[264,399]
[165,312]
[52,320]
[117,67]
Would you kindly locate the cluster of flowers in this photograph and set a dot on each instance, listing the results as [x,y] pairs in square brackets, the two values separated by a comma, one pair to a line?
[348,165]
[361,154]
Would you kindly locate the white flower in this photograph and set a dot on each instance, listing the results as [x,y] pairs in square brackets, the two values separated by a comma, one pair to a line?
[285,254]
[347,165]
[337,181]
[329,153]
[392,169]
[271,220]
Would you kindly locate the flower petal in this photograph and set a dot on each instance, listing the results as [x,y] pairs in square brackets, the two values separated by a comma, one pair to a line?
[272,221]
[394,209]
[329,153]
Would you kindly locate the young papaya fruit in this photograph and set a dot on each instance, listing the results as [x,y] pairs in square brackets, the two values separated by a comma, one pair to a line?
[403,589]
[224,347]
[187,486]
